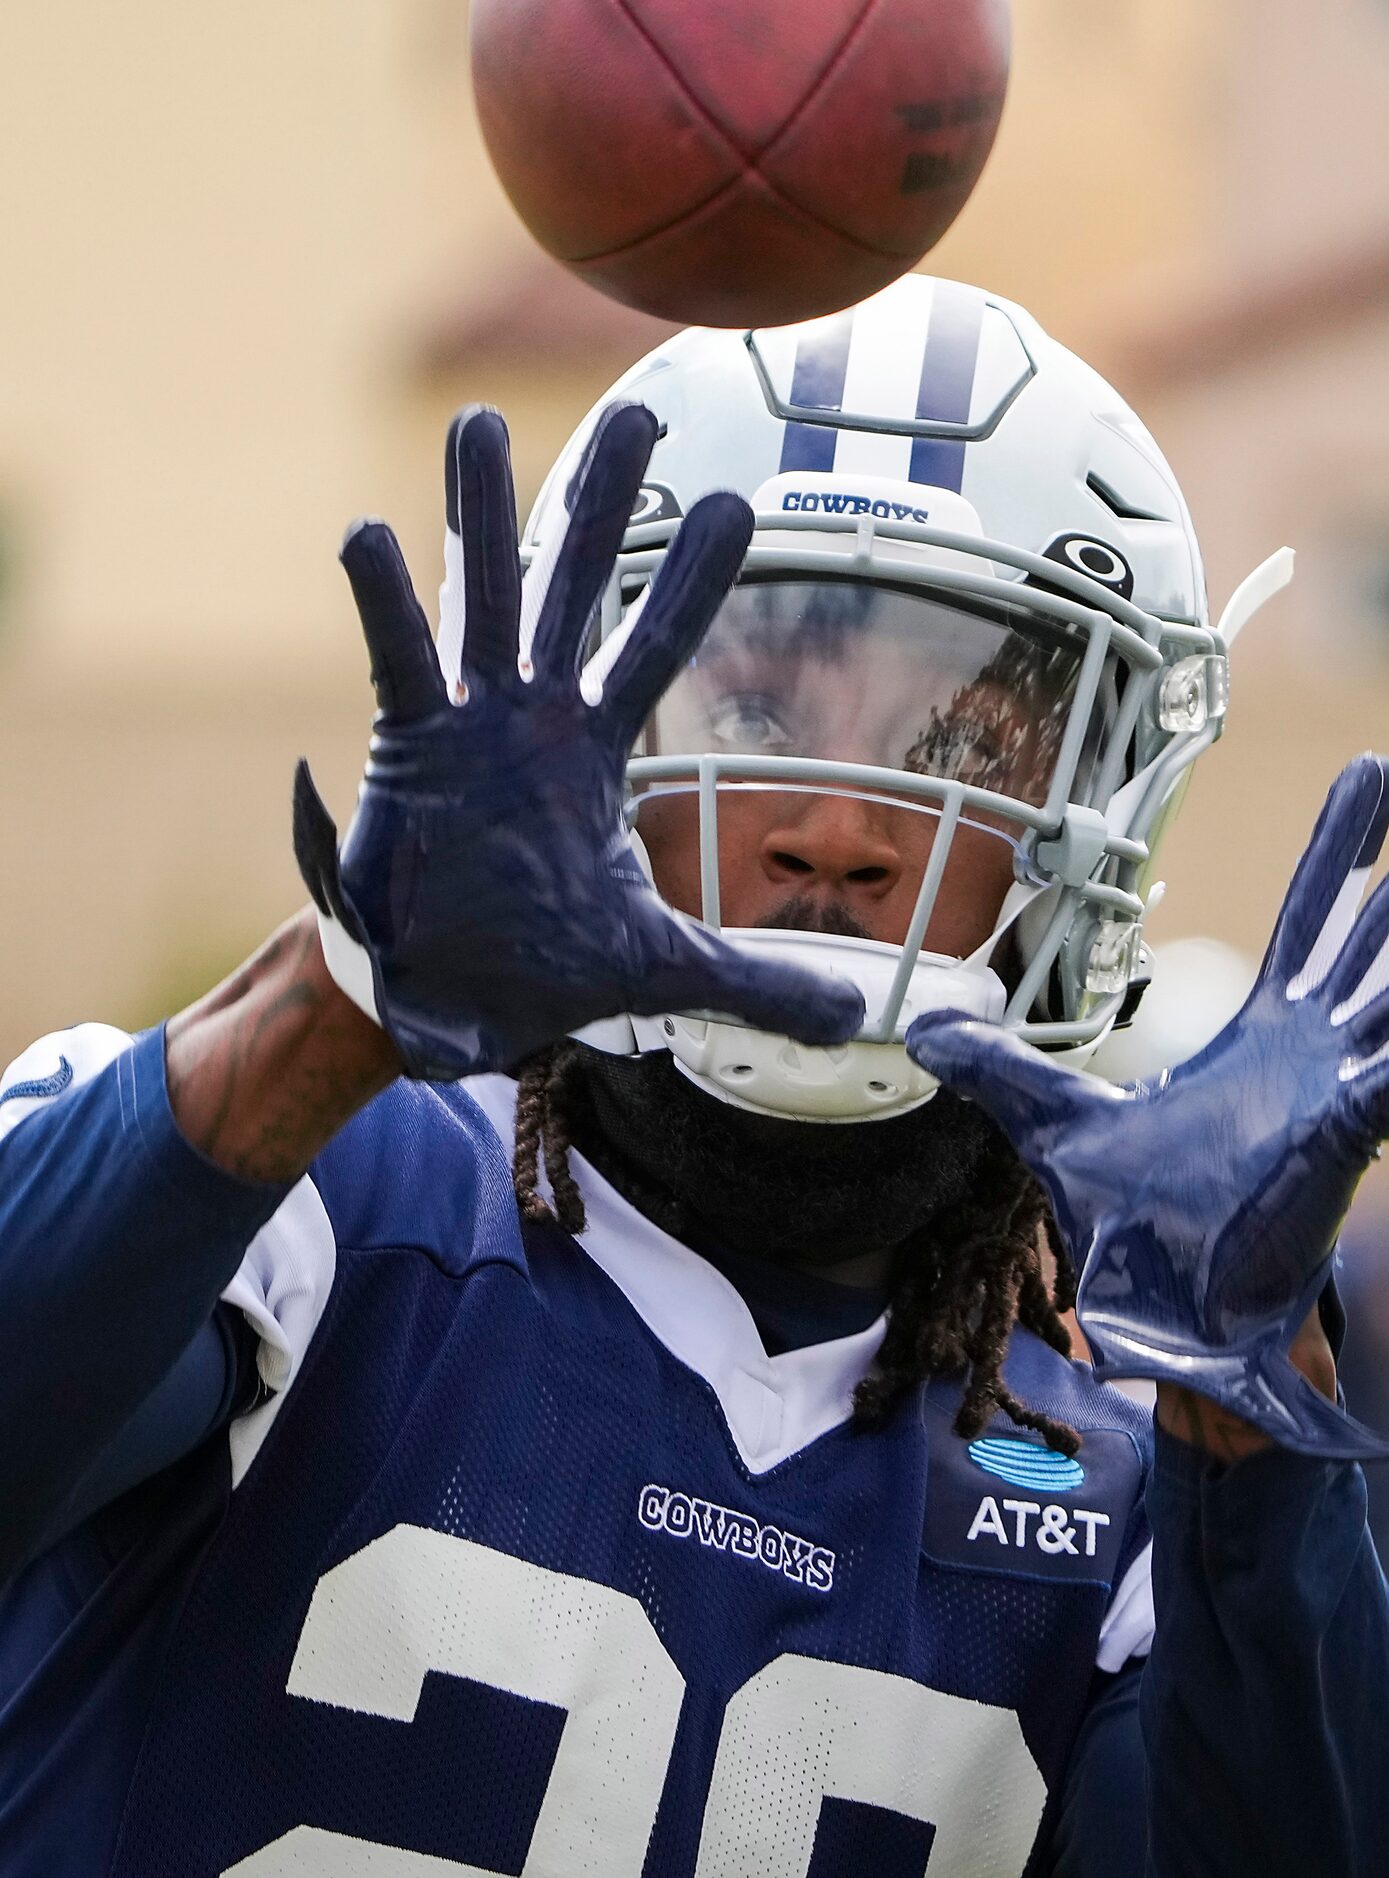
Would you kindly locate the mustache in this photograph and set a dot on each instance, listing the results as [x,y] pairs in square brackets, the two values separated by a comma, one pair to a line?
[802,914]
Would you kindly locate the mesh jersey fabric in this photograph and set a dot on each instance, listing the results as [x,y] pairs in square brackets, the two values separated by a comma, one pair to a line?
[500,1589]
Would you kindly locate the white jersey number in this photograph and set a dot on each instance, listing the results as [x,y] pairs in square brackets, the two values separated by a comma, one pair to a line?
[416,1601]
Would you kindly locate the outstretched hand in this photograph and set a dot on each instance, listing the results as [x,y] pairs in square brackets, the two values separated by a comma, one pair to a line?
[487,899]
[1202,1208]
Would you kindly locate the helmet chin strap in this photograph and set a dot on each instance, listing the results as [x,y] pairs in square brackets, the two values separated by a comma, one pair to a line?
[861,1081]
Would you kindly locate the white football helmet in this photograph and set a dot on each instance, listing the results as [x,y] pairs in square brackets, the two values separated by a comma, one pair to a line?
[955,501]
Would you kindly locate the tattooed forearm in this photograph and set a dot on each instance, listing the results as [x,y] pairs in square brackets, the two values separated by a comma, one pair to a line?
[1204,1424]
[264,1070]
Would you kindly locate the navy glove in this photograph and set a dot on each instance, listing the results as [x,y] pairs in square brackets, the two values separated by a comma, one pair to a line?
[1202,1209]
[487,899]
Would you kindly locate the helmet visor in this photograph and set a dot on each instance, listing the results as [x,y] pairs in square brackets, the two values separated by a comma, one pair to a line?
[855,672]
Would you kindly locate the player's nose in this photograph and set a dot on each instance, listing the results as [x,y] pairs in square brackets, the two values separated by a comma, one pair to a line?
[840,843]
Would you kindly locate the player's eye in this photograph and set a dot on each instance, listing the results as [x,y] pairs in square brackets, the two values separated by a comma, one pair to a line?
[963,748]
[750,722]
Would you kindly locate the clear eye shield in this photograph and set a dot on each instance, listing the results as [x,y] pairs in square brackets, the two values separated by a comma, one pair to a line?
[845,671]
[953,719]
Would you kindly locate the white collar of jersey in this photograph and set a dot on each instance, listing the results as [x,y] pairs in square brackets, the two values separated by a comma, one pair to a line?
[774,1405]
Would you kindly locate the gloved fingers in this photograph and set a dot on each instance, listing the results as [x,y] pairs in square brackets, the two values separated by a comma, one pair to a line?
[604,494]
[1361,972]
[1365,1096]
[1368,1028]
[1326,889]
[1021,1088]
[404,669]
[316,851]
[315,841]
[1298,1416]
[480,501]
[700,566]
[705,973]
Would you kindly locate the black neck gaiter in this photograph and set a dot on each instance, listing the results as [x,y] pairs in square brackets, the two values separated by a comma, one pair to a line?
[797,1193]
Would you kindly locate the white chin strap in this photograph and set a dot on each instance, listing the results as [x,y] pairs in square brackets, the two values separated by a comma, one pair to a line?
[770,1075]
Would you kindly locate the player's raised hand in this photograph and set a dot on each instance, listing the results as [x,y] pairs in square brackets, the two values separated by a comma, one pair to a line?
[1202,1208]
[487,899]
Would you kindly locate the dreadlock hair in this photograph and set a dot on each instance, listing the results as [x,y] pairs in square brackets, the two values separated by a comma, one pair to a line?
[542,1128]
[959,1283]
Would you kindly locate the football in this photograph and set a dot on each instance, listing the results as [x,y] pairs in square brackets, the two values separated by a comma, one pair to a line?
[741,164]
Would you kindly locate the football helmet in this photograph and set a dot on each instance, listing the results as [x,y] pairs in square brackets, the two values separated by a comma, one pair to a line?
[973,592]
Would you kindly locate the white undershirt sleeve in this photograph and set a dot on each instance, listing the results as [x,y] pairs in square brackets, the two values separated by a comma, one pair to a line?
[281,1287]
[1129,1622]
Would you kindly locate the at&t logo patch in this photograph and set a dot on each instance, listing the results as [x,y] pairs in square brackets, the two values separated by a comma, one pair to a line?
[1058,1528]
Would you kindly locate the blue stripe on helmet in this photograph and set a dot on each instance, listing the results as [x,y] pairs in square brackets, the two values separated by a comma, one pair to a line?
[817,384]
[808,447]
[947,382]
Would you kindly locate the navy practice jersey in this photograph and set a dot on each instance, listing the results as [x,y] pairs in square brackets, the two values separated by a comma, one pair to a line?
[533,1561]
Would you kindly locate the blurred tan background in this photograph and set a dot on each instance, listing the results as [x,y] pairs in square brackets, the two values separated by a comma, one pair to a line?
[254,257]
